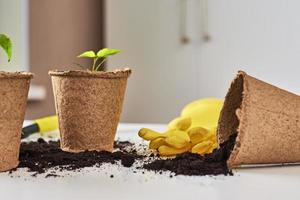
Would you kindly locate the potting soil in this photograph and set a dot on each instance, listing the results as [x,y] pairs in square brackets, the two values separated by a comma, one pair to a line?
[41,156]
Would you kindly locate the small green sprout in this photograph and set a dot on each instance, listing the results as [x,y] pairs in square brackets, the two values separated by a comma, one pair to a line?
[6,45]
[99,57]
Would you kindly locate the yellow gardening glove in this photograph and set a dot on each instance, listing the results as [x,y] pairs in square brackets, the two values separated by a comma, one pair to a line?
[190,132]
[175,141]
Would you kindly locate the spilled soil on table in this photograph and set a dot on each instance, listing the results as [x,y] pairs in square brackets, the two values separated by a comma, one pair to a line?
[41,157]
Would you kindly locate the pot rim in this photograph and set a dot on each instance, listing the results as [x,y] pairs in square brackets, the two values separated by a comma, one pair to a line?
[16,74]
[118,73]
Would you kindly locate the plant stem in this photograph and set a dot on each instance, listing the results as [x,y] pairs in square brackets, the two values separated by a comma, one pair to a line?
[99,65]
[94,64]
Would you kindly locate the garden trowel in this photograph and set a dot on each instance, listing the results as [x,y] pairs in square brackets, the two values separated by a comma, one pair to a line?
[42,125]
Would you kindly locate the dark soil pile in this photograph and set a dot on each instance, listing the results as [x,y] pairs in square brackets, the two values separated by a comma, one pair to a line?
[40,156]
[194,164]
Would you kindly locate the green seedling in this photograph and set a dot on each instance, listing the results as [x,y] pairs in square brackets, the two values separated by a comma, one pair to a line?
[99,58]
[6,45]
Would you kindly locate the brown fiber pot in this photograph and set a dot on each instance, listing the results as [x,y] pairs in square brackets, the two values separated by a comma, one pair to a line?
[266,120]
[14,88]
[88,105]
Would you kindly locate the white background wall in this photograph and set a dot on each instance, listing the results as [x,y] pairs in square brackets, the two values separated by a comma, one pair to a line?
[13,22]
[261,37]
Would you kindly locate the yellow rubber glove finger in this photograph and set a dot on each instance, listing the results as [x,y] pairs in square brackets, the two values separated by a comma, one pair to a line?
[165,150]
[197,134]
[175,132]
[212,136]
[212,148]
[176,141]
[156,143]
[202,147]
[148,134]
[181,123]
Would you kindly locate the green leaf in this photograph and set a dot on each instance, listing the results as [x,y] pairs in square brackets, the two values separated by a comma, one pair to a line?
[6,45]
[103,53]
[87,54]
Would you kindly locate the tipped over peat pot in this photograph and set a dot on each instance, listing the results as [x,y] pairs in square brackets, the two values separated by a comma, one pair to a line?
[88,105]
[266,120]
[13,99]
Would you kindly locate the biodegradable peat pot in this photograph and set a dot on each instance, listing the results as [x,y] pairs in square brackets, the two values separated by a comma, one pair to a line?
[14,88]
[88,105]
[266,120]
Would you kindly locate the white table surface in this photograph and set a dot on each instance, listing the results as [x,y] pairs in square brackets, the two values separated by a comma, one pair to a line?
[94,183]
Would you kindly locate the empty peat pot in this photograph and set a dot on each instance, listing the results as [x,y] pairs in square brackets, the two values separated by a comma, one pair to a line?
[13,99]
[88,105]
[266,120]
